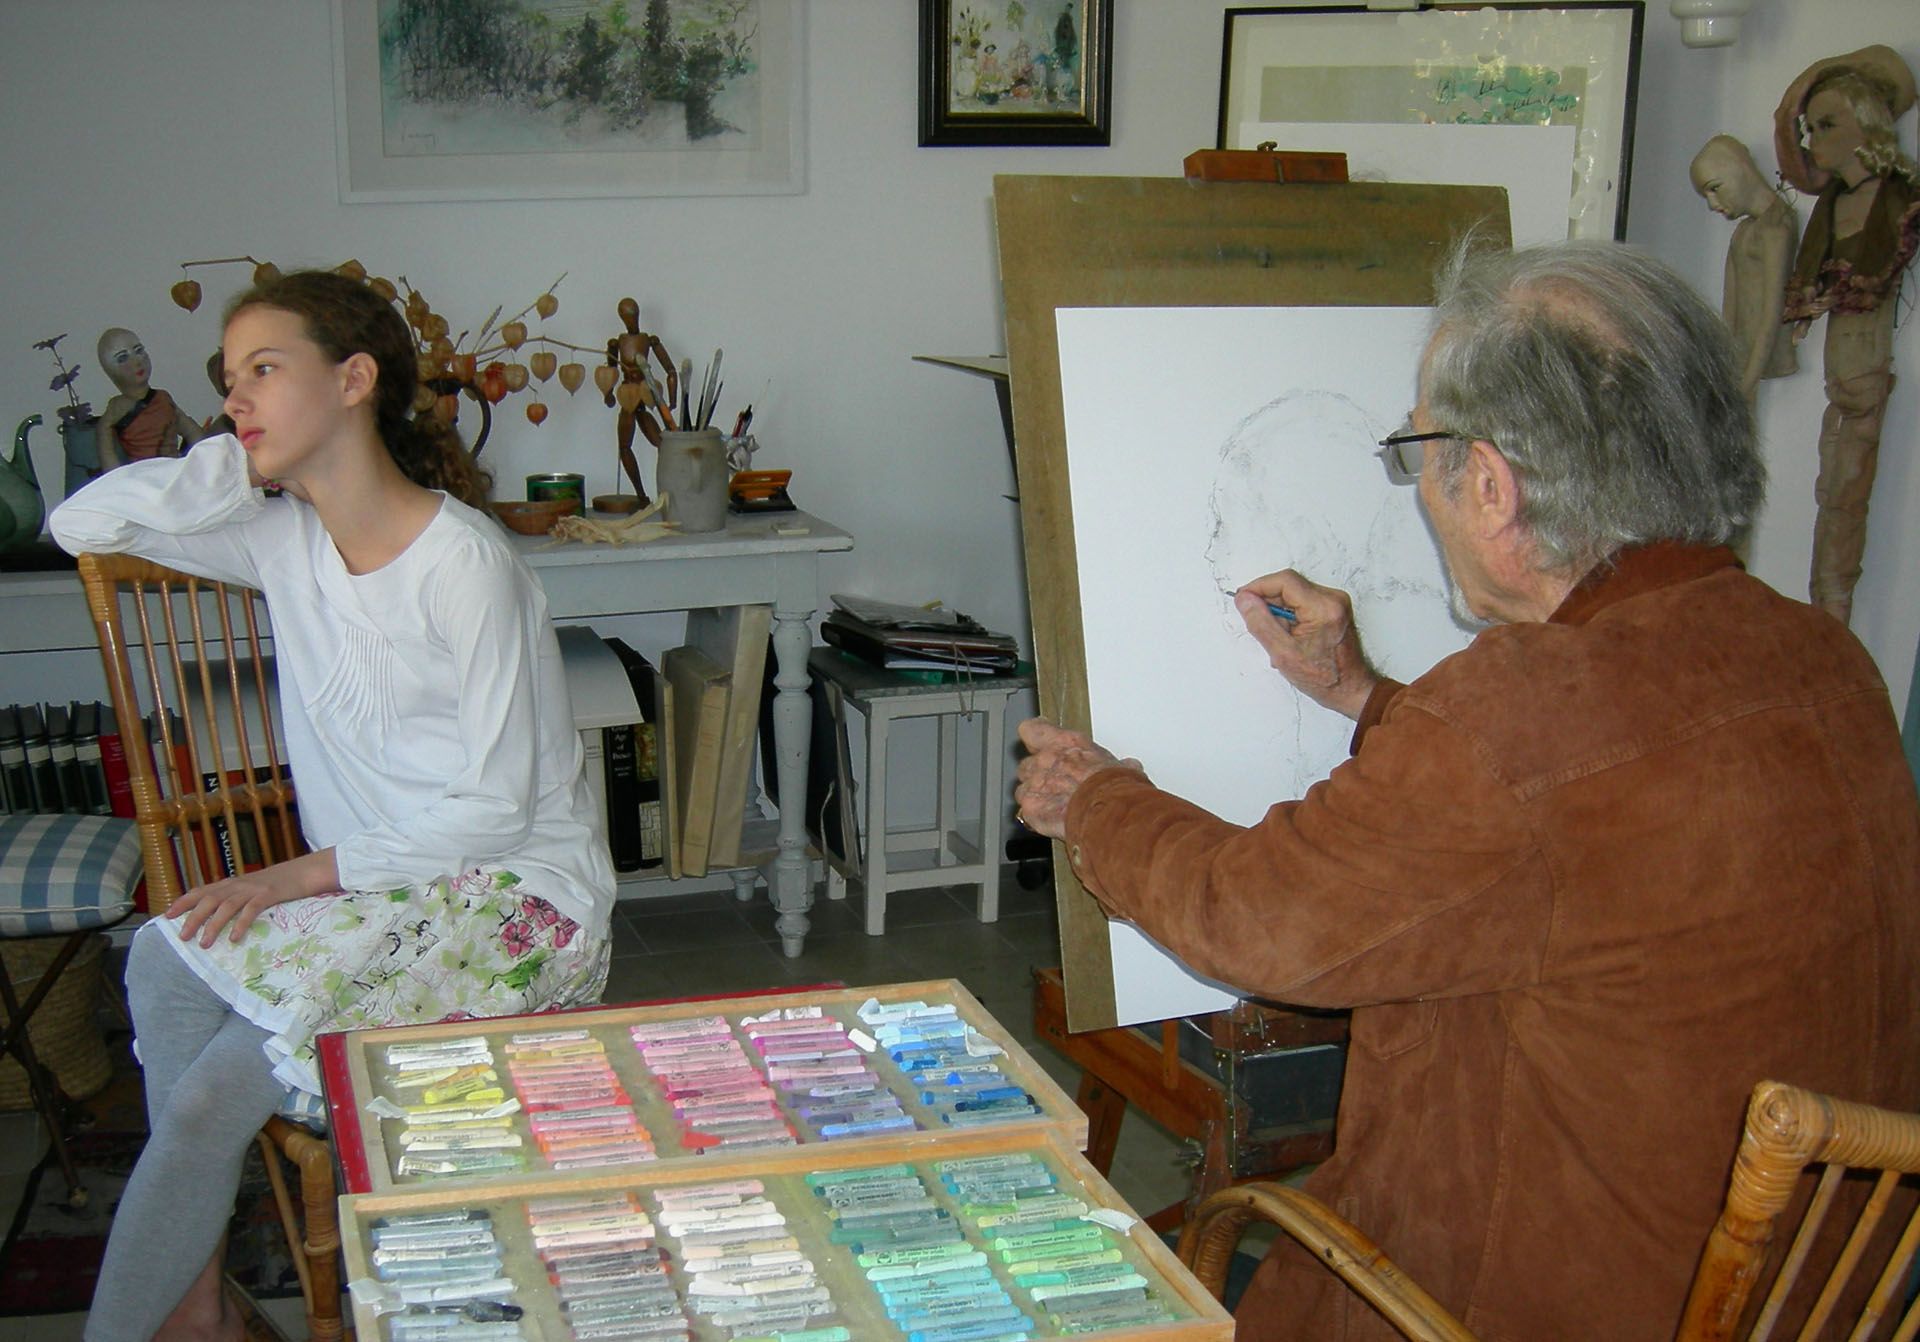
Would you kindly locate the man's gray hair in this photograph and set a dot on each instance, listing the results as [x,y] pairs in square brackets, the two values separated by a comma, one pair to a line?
[1610,387]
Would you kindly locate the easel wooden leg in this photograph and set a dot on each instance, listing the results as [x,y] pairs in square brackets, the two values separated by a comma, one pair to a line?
[1105,1108]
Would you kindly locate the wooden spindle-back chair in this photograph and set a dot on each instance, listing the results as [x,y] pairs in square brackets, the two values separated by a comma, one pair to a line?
[190,673]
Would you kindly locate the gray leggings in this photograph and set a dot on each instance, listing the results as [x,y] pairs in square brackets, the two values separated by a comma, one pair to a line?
[209,1090]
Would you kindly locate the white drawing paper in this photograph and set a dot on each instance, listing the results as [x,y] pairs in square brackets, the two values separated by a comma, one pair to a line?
[1206,447]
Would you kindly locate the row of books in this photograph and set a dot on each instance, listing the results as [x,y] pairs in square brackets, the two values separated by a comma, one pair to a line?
[917,638]
[71,759]
[62,758]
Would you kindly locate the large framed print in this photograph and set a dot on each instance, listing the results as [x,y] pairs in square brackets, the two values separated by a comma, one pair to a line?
[1468,94]
[454,100]
[1015,74]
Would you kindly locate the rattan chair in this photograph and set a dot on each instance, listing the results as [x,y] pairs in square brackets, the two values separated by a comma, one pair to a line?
[1787,1130]
[191,677]
[1211,1234]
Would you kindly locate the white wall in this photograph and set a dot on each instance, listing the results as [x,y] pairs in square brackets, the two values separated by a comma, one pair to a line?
[143,135]
[1688,95]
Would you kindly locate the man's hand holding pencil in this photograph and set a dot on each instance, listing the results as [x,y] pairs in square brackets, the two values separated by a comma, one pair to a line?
[1308,633]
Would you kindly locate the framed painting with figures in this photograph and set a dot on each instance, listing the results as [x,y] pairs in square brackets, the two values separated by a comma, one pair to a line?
[1451,93]
[1015,72]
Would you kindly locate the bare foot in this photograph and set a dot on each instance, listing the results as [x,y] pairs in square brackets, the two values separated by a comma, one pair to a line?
[204,1313]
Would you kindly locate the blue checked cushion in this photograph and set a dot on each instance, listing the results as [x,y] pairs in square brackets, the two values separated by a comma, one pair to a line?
[303,1106]
[65,873]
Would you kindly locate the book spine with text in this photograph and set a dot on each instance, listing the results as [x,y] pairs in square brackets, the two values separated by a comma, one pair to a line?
[87,757]
[45,782]
[113,763]
[16,784]
[623,801]
[66,765]
[649,824]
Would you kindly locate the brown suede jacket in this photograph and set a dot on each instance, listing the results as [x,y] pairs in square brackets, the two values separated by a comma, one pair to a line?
[1584,883]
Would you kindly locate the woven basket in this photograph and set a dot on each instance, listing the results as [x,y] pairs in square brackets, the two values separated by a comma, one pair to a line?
[67,1038]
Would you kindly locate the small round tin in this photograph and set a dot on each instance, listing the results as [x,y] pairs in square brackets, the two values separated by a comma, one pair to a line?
[560,485]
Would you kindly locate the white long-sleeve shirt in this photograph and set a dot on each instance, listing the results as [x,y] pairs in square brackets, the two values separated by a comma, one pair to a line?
[424,704]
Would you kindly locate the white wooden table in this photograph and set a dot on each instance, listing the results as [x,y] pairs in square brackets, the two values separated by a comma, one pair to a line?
[768,559]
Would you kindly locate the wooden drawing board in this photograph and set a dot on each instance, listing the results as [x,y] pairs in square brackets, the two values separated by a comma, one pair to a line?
[701,688]
[1092,242]
[735,637]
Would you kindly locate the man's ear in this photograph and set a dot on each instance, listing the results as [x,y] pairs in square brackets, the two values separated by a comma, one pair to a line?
[1492,488]
[358,376]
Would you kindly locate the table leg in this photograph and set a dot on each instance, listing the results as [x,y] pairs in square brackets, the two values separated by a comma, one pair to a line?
[993,808]
[787,883]
[875,870]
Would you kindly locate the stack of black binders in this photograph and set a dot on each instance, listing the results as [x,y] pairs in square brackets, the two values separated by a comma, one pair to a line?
[50,759]
[917,638]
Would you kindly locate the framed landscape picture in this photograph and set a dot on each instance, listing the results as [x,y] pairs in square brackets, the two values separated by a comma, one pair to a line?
[1453,93]
[448,100]
[1015,72]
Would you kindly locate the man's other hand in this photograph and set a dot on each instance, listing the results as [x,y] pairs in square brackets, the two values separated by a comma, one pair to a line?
[1058,761]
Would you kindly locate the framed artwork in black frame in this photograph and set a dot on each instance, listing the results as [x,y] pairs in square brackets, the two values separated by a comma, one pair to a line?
[1447,89]
[1006,74]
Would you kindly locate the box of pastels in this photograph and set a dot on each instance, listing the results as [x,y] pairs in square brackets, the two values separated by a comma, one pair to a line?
[977,1235]
[628,1087]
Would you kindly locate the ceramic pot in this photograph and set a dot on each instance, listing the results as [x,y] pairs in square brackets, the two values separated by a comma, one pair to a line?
[693,476]
[80,442]
[21,507]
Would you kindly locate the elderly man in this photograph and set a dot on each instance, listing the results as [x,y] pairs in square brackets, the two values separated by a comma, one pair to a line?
[1648,840]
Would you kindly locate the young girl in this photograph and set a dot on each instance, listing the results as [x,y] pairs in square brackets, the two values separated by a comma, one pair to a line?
[457,866]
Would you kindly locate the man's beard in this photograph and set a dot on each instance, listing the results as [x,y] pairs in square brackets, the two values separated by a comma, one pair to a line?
[1457,605]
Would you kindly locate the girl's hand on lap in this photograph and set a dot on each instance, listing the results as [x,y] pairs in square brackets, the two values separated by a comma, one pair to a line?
[235,902]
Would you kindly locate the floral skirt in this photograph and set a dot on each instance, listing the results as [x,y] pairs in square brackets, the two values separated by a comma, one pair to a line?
[477,945]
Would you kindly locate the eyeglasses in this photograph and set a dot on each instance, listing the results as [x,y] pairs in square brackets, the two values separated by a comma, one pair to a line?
[1400,454]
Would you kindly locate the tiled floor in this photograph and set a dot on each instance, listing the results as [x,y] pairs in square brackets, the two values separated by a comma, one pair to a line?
[711,943]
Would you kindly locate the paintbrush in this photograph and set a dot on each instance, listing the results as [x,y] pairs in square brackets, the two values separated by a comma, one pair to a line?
[709,391]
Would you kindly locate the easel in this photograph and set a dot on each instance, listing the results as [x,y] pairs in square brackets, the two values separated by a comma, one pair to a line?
[1093,242]
[1127,242]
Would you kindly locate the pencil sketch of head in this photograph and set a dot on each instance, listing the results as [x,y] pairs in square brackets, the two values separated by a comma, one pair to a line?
[1297,485]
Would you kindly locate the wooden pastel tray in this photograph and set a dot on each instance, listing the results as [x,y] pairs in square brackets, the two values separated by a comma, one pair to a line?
[1194,1314]
[368,1144]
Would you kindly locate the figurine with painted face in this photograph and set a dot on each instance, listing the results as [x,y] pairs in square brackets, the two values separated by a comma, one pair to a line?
[1759,257]
[1834,133]
[140,421]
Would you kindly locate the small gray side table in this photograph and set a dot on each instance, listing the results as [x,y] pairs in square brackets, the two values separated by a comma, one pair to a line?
[916,859]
